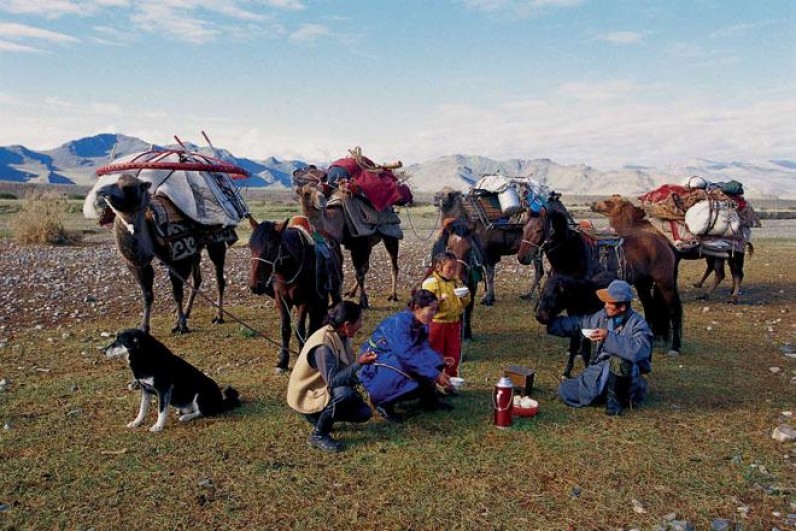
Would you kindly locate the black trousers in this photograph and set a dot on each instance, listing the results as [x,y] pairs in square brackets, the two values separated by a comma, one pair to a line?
[345,406]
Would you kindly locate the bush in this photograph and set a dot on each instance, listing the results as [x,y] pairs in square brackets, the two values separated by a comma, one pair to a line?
[7,195]
[40,220]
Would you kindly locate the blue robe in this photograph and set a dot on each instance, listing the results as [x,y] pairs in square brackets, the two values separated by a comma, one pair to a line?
[632,343]
[401,363]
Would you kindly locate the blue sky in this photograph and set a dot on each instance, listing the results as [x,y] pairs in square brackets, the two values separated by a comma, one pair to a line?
[601,82]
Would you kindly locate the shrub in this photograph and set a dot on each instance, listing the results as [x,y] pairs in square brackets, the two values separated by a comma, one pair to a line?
[7,195]
[40,220]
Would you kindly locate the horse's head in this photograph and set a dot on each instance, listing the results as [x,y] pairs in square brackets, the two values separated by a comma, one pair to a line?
[128,195]
[553,299]
[534,235]
[459,238]
[264,245]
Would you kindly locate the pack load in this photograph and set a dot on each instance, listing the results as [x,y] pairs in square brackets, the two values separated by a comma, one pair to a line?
[499,201]
[714,216]
[199,186]
[378,183]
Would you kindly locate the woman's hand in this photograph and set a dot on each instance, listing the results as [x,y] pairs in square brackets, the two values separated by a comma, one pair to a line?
[444,380]
[599,334]
[367,357]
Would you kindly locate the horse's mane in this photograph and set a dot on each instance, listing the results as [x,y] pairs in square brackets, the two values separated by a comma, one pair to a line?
[261,232]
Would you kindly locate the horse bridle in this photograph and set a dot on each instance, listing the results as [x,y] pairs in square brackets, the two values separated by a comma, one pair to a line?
[279,259]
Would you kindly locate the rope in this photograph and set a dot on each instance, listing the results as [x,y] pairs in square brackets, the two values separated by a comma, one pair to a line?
[433,229]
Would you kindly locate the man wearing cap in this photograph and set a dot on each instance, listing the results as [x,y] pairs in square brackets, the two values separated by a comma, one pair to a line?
[624,352]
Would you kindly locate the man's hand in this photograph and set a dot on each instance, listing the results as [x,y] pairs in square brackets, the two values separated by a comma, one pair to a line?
[599,334]
[367,357]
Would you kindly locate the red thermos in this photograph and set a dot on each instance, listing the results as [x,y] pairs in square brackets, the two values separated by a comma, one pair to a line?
[503,402]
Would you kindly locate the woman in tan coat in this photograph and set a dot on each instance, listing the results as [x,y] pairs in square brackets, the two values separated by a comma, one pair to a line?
[322,383]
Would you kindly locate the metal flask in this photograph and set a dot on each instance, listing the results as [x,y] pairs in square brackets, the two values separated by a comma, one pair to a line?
[503,402]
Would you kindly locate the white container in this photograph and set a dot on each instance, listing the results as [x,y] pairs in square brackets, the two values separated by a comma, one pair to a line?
[461,292]
[509,201]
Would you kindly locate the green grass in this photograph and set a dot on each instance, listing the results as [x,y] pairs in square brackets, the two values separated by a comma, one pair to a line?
[696,447]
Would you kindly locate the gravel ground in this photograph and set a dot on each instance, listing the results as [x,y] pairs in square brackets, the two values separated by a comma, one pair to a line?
[50,287]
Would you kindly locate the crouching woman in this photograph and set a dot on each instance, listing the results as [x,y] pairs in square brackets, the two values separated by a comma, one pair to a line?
[322,384]
[407,367]
[624,351]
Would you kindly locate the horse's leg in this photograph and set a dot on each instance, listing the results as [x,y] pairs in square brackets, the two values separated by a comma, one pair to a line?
[644,290]
[709,267]
[145,276]
[672,301]
[585,351]
[736,270]
[218,255]
[538,273]
[717,266]
[301,324]
[572,352]
[468,312]
[177,272]
[284,322]
[489,297]
[392,249]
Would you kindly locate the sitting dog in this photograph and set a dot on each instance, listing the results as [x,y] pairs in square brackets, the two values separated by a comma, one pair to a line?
[175,381]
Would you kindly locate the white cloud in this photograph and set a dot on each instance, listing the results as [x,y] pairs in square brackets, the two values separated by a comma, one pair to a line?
[21,31]
[288,5]
[168,19]
[621,37]
[518,6]
[310,33]
[6,46]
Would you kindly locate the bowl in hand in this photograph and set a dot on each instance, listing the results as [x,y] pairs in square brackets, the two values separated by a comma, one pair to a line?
[587,332]
[462,291]
[456,382]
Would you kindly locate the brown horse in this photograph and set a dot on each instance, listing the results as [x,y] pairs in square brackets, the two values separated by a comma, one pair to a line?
[643,259]
[138,243]
[460,238]
[624,216]
[284,266]
[330,222]
[495,242]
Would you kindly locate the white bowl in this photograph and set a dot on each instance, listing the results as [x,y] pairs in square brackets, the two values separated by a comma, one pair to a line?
[461,292]
[456,382]
[587,332]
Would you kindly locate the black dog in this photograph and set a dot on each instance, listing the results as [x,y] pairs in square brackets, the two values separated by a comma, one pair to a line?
[175,381]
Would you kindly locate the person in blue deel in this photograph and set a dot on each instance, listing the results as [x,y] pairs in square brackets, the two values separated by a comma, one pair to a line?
[624,352]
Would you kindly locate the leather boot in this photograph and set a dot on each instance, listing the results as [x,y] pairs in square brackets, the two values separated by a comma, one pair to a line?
[324,442]
[617,394]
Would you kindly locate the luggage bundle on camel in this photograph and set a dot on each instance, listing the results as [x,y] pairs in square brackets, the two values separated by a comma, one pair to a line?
[713,217]
[496,201]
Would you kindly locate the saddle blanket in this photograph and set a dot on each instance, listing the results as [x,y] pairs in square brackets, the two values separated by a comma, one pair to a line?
[364,220]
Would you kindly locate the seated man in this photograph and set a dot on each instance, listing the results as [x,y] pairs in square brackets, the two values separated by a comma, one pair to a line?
[624,352]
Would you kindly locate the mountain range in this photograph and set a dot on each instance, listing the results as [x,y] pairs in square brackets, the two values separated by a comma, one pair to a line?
[76,161]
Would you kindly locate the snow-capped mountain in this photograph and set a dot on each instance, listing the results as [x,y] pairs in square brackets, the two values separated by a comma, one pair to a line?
[76,161]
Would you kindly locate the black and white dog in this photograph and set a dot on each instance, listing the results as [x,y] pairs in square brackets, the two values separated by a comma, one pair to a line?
[175,381]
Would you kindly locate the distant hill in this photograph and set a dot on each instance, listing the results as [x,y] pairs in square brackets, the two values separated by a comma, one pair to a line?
[76,161]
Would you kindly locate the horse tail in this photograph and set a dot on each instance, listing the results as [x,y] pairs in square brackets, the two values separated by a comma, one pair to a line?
[661,322]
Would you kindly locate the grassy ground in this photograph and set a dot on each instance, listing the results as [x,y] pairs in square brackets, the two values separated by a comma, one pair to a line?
[700,447]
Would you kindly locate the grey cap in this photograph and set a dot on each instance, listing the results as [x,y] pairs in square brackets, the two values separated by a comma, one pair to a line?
[617,291]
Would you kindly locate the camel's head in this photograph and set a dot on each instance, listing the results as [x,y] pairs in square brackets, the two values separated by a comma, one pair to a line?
[128,194]
[310,196]
[446,198]
[609,205]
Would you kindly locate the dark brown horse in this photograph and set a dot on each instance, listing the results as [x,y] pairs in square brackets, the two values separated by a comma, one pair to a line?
[285,265]
[576,296]
[643,259]
[139,244]
[330,222]
[460,238]
[495,242]
[624,216]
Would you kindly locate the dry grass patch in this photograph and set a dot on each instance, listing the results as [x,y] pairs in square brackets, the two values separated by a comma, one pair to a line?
[40,219]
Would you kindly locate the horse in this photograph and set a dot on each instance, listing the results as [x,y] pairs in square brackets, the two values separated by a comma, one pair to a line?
[330,222]
[576,296]
[139,243]
[284,266]
[496,243]
[643,259]
[624,216]
[460,238]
